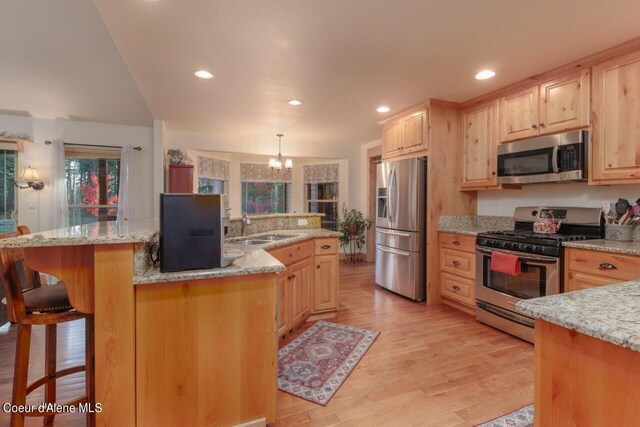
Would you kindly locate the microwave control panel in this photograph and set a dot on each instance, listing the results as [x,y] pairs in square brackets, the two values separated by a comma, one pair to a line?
[571,157]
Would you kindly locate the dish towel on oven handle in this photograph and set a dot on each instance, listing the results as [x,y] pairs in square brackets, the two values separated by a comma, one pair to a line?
[505,263]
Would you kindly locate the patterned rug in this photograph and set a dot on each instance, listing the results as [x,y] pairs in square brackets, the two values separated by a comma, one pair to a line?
[315,364]
[523,417]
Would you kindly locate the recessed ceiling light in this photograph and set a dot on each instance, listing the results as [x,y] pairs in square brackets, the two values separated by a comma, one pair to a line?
[383,109]
[294,102]
[203,74]
[485,74]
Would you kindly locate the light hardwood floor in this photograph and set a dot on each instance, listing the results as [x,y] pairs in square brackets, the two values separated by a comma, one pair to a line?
[430,366]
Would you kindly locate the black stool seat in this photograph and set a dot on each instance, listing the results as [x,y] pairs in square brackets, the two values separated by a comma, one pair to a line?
[47,299]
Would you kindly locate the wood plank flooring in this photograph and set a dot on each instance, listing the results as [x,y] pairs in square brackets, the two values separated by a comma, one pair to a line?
[430,366]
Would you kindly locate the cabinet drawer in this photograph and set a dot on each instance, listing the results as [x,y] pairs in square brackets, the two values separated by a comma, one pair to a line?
[459,242]
[458,263]
[293,253]
[457,288]
[606,264]
[580,281]
[326,246]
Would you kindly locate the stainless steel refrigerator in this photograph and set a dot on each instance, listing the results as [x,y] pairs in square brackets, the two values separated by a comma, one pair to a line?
[401,226]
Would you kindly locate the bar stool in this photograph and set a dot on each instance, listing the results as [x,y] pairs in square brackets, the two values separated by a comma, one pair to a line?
[48,306]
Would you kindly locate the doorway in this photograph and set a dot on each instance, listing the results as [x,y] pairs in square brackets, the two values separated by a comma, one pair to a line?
[374,157]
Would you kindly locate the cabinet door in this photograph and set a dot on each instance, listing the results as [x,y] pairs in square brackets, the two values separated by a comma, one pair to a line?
[615,148]
[300,291]
[479,147]
[414,137]
[564,103]
[325,283]
[284,303]
[580,281]
[391,138]
[519,115]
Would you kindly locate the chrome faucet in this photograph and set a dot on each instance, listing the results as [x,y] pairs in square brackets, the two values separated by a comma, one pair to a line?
[245,221]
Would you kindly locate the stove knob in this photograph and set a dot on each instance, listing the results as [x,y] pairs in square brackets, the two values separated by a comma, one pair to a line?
[528,248]
[507,244]
[537,249]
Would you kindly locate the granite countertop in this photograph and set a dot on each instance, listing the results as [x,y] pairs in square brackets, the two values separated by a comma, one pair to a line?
[256,259]
[610,313]
[629,248]
[473,224]
[97,233]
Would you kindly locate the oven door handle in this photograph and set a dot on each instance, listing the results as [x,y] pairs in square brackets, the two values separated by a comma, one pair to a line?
[541,260]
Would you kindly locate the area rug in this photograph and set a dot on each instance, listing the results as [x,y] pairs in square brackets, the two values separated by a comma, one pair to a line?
[523,417]
[315,364]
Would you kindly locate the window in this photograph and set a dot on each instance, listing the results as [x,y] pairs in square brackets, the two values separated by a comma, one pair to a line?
[7,190]
[92,186]
[321,192]
[266,197]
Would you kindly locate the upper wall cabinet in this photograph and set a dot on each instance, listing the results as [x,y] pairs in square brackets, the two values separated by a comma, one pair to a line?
[615,147]
[406,134]
[479,147]
[551,107]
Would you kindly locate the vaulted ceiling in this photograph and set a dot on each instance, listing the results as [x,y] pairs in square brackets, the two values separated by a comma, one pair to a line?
[57,60]
[341,58]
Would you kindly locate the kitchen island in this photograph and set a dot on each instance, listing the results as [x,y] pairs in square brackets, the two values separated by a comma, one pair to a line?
[189,348]
[587,356]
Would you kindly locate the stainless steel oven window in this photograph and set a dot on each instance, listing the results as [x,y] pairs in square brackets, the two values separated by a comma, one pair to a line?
[531,283]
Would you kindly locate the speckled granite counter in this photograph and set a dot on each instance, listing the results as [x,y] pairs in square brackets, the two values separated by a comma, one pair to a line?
[255,260]
[610,313]
[629,248]
[473,224]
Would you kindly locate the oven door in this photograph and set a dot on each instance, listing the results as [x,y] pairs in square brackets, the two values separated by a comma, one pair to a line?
[540,277]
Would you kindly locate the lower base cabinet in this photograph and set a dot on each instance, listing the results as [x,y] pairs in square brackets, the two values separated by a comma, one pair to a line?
[309,284]
[588,269]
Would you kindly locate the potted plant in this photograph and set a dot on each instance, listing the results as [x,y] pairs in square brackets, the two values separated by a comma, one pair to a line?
[353,226]
[177,157]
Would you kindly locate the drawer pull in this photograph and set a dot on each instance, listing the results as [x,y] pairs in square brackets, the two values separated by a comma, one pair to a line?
[456,288]
[318,266]
[293,276]
[326,246]
[607,266]
[456,263]
[455,242]
[289,277]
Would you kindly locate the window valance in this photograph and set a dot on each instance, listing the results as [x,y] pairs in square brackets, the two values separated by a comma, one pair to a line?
[321,173]
[209,167]
[257,172]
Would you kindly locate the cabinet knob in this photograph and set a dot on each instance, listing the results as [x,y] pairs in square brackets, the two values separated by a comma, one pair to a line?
[455,242]
[326,246]
[607,266]
[534,126]
[456,288]
[541,125]
[456,263]
[293,276]
[318,266]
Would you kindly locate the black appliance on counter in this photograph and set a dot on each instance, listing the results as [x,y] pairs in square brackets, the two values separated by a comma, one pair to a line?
[191,231]
[540,257]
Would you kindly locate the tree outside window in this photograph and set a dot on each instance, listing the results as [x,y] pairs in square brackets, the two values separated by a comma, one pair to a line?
[92,189]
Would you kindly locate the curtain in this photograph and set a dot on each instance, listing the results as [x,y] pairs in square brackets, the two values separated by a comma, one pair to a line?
[124,192]
[59,187]
[209,167]
[262,173]
[316,174]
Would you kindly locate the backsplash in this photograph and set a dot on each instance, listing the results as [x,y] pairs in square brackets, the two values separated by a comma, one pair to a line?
[262,223]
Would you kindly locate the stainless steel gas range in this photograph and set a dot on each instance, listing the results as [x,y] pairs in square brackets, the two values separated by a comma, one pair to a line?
[541,264]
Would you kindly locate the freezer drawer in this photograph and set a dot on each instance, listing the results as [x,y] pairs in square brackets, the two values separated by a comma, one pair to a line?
[399,271]
[405,240]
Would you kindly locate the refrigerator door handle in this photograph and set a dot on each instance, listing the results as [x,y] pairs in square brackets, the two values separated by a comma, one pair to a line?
[391,251]
[393,233]
[393,195]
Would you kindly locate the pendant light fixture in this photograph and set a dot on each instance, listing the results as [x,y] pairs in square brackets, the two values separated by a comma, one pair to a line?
[276,163]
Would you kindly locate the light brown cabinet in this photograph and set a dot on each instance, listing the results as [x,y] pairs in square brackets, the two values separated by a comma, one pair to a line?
[309,284]
[405,135]
[479,147]
[587,269]
[554,106]
[458,270]
[615,150]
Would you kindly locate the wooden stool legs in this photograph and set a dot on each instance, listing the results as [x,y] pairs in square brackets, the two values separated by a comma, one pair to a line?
[21,371]
[50,352]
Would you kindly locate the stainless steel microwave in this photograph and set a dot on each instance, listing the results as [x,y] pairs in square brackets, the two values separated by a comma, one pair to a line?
[553,158]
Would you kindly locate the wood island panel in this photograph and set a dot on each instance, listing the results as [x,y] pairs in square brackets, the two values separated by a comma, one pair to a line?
[583,381]
[201,357]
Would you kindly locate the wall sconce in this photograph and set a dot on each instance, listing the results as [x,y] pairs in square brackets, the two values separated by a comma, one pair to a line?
[29,178]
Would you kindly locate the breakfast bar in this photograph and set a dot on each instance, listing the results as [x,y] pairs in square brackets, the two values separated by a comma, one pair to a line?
[587,356]
[186,348]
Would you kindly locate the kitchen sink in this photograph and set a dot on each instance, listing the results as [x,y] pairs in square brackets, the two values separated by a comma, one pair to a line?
[274,237]
[251,242]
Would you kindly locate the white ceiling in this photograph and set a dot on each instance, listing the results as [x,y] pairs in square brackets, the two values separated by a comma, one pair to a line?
[57,60]
[343,58]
